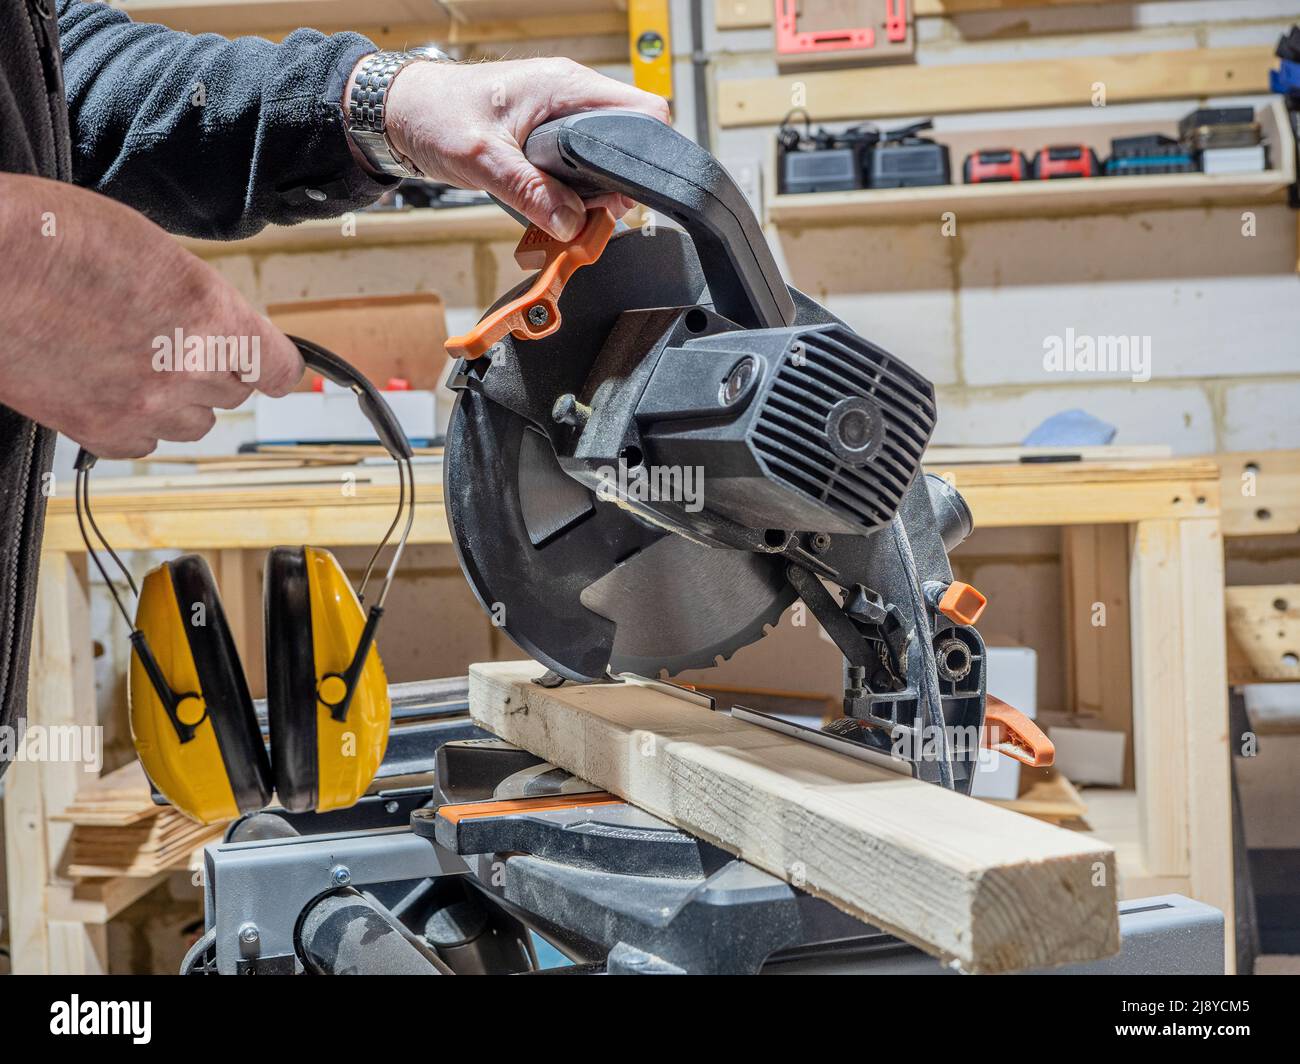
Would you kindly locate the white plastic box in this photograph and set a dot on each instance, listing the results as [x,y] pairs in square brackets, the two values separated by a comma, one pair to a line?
[1012,677]
[333,415]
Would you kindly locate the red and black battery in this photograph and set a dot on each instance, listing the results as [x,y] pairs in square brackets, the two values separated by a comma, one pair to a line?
[1066,160]
[995,164]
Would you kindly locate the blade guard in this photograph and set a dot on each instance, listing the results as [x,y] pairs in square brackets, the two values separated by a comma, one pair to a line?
[1010,732]
[555,262]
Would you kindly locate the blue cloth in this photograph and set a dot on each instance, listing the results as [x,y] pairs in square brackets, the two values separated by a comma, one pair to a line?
[1071,428]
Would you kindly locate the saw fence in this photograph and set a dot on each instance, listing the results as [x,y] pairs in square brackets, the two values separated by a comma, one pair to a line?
[1171,833]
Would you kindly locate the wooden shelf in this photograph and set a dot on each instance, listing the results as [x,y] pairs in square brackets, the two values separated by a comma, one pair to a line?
[422,225]
[1094,195]
[1089,195]
[390,23]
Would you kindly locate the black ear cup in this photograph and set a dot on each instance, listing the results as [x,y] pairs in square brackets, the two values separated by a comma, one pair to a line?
[291,677]
[221,679]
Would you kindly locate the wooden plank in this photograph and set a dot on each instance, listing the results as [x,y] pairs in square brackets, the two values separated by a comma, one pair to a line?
[754,14]
[261,509]
[389,23]
[371,229]
[1263,633]
[976,885]
[954,88]
[1046,795]
[78,948]
[1089,195]
[1085,493]
[1016,453]
[1098,675]
[98,900]
[61,693]
[1160,698]
[1180,708]
[1260,492]
[1203,662]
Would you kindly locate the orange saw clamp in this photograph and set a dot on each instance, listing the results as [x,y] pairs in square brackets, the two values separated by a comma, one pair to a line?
[536,313]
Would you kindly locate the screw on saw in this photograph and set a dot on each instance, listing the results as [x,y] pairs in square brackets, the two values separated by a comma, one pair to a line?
[737,381]
[538,315]
[568,411]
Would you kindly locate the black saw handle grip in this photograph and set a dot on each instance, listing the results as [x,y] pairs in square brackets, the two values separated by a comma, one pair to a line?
[641,157]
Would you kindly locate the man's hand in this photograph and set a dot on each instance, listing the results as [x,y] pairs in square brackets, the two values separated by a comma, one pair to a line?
[465,124]
[91,315]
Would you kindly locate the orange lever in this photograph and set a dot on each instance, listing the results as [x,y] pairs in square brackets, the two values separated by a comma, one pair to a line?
[961,603]
[1010,732]
[536,313]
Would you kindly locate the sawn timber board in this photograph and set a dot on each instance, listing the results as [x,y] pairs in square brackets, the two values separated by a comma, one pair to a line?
[980,887]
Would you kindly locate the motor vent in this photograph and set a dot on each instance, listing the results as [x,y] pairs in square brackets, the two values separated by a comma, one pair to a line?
[845,423]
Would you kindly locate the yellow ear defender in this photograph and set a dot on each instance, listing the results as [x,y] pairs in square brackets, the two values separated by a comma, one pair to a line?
[327,698]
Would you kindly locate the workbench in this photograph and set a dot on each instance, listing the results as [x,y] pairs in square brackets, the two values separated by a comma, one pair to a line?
[1173,832]
[58,924]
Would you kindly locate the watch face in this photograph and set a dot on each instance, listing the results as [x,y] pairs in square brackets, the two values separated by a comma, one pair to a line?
[430,51]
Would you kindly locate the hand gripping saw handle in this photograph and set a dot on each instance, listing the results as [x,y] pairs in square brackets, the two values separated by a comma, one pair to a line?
[640,157]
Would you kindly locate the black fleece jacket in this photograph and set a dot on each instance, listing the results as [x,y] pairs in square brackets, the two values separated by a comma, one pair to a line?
[210,137]
[206,136]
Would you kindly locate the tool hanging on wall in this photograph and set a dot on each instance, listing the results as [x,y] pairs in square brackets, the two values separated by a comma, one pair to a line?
[327,696]
[842,31]
[650,43]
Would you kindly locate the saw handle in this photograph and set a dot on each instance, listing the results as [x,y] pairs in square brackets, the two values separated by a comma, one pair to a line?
[641,157]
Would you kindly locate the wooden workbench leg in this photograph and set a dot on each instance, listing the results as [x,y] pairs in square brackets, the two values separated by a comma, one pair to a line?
[239,582]
[1180,707]
[61,692]
[78,948]
[1095,578]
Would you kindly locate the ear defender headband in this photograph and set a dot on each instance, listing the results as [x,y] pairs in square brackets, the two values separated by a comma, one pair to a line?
[328,708]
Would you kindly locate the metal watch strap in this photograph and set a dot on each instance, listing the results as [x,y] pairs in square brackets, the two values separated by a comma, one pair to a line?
[365,114]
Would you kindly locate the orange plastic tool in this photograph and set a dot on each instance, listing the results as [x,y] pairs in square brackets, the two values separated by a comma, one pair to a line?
[540,804]
[537,312]
[962,603]
[1010,732]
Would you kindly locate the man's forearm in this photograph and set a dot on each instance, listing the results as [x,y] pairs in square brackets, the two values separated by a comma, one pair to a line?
[206,136]
[41,227]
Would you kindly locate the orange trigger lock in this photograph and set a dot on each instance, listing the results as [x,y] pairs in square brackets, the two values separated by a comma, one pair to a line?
[1010,732]
[537,312]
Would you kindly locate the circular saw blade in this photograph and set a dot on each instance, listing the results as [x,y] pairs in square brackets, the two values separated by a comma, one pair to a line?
[678,605]
[577,582]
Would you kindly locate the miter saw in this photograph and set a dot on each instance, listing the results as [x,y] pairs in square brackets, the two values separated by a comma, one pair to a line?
[638,363]
[585,395]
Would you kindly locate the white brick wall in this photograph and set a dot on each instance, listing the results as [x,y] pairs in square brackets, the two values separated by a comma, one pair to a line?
[1221,309]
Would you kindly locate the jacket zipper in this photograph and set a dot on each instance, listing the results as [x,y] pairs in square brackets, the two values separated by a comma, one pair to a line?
[15,567]
[41,14]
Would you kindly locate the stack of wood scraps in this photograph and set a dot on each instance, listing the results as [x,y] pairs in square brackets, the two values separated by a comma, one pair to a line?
[119,831]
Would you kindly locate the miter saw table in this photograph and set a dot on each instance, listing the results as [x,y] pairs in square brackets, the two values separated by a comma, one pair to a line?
[479,851]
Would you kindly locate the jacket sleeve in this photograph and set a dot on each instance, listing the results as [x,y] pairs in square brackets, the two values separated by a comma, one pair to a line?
[211,137]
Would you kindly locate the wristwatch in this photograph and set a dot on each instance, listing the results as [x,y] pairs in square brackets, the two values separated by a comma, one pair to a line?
[364,115]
